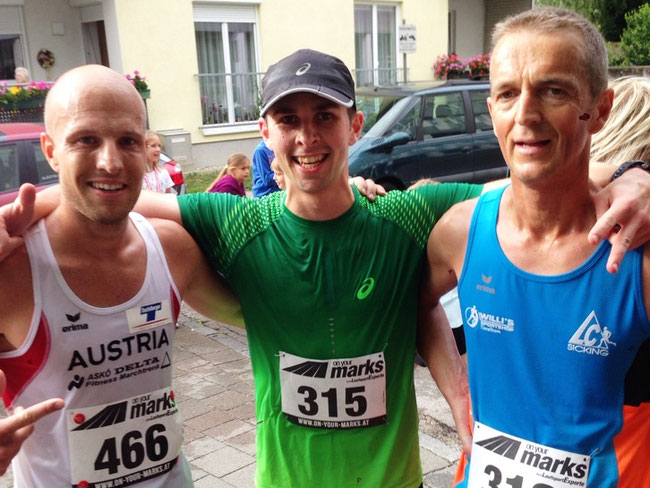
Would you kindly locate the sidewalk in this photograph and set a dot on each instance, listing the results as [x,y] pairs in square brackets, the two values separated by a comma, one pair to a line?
[214,386]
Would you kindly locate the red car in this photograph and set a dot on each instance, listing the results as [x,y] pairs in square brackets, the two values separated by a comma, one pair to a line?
[175,171]
[22,161]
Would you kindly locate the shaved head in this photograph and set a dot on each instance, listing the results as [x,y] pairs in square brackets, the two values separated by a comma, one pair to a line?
[90,85]
[94,138]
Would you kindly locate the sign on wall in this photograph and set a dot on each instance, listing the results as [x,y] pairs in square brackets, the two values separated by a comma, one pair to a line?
[407,37]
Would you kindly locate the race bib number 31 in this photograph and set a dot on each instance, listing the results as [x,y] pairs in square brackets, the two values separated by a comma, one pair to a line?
[500,460]
[124,443]
[335,393]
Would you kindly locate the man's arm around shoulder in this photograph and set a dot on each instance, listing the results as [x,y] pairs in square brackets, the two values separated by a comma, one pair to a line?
[198,285]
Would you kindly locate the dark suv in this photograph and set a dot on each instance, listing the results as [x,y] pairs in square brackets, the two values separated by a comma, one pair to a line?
[442,131]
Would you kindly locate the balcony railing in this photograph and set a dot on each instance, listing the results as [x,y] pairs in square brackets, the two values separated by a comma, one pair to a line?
[30,110]
[380,76]
[230,98]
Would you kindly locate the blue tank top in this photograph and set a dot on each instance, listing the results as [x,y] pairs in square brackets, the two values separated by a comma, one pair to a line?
[547,355]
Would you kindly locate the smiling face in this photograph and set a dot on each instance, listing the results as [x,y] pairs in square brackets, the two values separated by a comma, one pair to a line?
[153,151]
[95,141]
[538,96]
[310,137]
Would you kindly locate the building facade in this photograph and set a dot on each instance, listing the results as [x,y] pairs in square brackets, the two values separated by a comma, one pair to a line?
[204,60]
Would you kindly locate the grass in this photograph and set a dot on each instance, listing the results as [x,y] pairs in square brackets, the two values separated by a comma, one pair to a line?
[198,181]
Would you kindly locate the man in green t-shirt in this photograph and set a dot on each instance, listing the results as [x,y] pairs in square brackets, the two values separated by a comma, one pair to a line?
[328,284]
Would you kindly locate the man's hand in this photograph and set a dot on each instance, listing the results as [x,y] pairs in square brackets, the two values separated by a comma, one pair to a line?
[15,428]
[15,219]
[623,210]
[368,188]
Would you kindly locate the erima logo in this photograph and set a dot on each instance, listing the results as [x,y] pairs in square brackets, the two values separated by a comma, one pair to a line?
[303,69]
[484,286]
[366,288]
[591,338]
[341,368]
[72,318]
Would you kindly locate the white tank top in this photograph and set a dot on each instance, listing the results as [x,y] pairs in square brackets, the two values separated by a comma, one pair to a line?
[120,425]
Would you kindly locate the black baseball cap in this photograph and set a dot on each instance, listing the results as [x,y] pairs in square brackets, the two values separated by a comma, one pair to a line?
[308,71]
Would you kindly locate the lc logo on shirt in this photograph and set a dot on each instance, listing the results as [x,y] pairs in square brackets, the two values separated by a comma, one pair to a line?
[591,338]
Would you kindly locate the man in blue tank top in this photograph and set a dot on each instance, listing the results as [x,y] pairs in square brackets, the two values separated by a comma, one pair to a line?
[550,333]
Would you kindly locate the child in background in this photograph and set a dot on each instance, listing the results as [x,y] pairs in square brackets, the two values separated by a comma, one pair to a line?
[278,175]
[231,178]
[155,178]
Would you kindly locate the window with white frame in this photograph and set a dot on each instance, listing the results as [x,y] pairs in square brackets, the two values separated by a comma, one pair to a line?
[226,45]
[375,43]
[12,52]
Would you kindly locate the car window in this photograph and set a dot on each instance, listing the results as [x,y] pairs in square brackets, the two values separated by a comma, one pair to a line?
[8,168]
[46,175]
[444,115]
[374,107]
[388,118]
[408,123]
[482,118]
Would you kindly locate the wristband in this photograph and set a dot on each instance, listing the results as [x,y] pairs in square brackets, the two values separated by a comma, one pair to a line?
[636,163]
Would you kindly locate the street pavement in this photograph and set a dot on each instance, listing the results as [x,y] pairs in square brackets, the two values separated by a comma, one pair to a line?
[213,383]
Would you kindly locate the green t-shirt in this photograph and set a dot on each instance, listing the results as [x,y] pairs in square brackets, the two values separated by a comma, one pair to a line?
[343,290]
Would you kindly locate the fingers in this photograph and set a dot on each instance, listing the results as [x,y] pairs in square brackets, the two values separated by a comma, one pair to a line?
[23,419]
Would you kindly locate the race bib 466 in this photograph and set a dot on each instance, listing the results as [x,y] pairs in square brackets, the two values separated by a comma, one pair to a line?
[126,442]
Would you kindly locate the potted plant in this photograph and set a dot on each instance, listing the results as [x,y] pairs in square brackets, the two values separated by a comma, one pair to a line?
[19,97]
[449,66]
[140,84]
[479,66]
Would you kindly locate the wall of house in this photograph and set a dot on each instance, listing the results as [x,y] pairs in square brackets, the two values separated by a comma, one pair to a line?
[470,22]
[165,51]
[284,28]
[39,15]
[430,19]
[156,37]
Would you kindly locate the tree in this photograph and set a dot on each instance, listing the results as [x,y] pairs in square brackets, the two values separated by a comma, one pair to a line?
[612,16]
[589,9]
[607,15]
[634,40]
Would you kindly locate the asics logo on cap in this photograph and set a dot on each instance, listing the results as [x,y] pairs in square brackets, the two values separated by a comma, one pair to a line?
[303,69]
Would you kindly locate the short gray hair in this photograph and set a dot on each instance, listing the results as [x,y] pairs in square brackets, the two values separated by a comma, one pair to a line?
[551,19]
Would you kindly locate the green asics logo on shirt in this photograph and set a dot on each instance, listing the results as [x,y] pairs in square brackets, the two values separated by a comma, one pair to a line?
[366,288]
